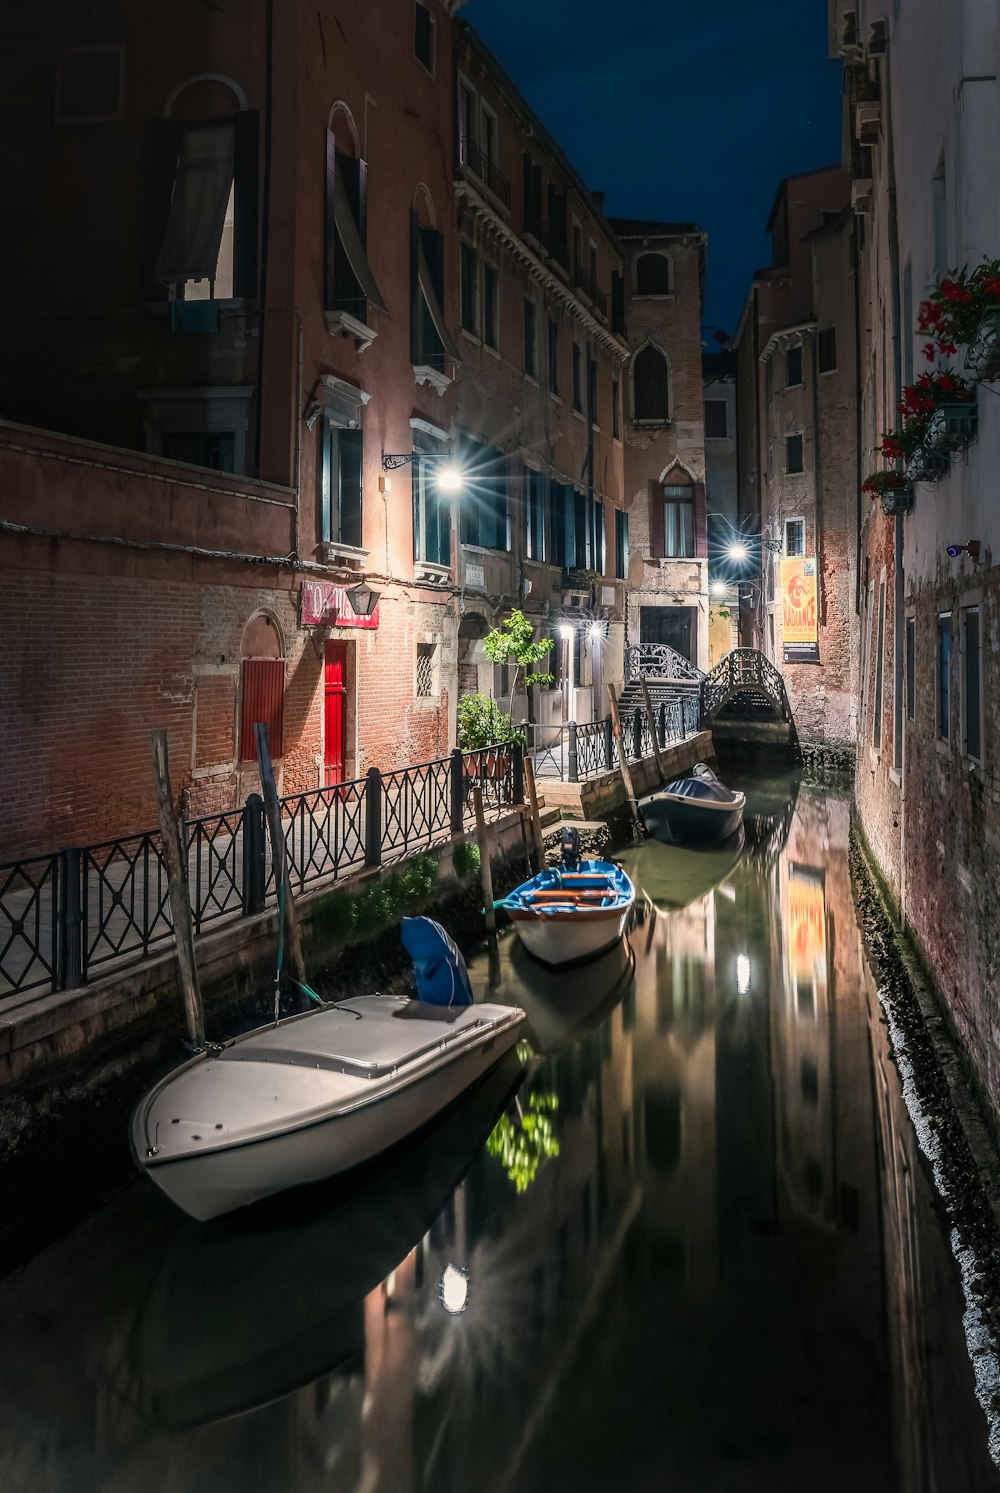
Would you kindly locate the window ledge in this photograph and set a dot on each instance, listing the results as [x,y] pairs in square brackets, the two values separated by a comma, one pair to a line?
[342,323]
[332,552]
[470,336]
[638,295]
[652,424]
[430,574]
[423,373]
[578,415]
[494,352]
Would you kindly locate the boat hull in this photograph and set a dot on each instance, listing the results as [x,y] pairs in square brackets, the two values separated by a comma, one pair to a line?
[569,938]
[686,821]
[214,1182]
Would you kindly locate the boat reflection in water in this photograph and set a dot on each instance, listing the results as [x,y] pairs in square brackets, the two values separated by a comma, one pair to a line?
[674,876]
[243,1313]
[562,1005]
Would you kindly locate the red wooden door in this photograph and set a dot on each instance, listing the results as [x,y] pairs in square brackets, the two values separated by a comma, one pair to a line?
[334,693]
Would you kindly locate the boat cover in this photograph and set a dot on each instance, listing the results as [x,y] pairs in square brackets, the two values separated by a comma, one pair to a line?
[442,978]
[709,790]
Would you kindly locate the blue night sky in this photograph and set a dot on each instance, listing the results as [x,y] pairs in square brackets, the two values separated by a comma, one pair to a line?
[680,110]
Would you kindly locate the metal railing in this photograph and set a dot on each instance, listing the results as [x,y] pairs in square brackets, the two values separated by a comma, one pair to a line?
[477,161]
[659,661]
[748,673]
[575,751]
[68,917]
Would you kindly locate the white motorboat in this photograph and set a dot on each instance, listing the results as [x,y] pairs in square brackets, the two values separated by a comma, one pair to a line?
[311,1096]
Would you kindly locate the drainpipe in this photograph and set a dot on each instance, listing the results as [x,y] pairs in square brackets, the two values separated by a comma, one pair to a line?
[899,577]
[265,227]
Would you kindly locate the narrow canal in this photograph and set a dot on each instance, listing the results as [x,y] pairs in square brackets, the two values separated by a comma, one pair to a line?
[697,1251]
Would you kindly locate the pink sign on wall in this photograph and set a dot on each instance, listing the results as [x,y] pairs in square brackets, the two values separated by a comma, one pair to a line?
[324,602]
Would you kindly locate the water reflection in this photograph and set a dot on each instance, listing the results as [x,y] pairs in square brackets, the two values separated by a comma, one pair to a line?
[710,1261]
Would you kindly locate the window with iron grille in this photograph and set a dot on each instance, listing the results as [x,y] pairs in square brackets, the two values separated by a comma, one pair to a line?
[795,536]
[425,670]
[262,698]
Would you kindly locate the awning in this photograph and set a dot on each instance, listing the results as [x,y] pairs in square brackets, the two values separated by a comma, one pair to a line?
[434,307]
[347,230]
[191,243]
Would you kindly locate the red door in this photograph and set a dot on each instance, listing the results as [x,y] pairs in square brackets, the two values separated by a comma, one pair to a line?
[334,692]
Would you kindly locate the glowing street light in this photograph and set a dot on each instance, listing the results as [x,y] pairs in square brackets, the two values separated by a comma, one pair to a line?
[737,551]
[718,588]
[451,478]
[743,972]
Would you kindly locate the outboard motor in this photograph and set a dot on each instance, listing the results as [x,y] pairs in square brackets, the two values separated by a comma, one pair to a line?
[571,848]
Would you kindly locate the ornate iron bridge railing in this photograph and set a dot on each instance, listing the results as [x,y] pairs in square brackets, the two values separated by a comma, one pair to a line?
[747,674]
[659,661]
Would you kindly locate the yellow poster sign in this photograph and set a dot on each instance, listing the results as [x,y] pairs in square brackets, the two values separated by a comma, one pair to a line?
[799,632]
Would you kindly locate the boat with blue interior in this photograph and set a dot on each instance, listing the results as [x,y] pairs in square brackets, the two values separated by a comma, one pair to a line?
[574,911]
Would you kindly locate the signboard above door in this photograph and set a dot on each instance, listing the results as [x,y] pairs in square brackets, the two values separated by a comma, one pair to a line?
[324,602]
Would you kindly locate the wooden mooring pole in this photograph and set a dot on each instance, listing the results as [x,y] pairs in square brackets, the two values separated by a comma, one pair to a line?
[485,869]
[177,890]
[536,823]
[652,729]
[272,809]
[616,726]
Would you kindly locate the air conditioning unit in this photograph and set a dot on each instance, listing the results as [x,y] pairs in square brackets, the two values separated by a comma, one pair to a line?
[867,122]
[861,194]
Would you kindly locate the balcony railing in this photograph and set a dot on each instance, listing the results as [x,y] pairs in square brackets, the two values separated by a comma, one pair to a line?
[477,161]
[595,295]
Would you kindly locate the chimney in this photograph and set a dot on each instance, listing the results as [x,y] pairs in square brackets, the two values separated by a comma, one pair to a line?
[599,199]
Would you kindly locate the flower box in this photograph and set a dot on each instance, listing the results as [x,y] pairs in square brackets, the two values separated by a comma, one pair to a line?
[897,500]
[982,358]
[926,466]
[952,426]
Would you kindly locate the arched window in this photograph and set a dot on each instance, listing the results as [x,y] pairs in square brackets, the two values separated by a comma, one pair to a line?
[650,386]
[653,274]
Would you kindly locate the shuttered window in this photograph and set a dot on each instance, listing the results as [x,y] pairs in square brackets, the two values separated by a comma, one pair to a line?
[262,694]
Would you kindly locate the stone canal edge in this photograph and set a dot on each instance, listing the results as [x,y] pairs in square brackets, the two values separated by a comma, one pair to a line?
[950,1124]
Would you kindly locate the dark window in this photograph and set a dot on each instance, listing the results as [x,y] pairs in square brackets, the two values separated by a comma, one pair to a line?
[349,284]
[491,306]
[911,663]
[553,356]
[423,37]
[621,544]
[202,448]
[557,225]
[430,339]
[652,275]
[592,395]
[340,484]
[879,671]
[793,366]
[262,698]
[716,420]
[584,530]
[536,488]
[597,544]
[431,508]
[618,302]
[828,350]
[577,252]
[795,536]
[651,386]
[557,523]
[530,357]
[485,518]
[793,454]
[577,377]
[616,410]
[470,288]
[531,187]
[973,717]
[943,675]
[678,523]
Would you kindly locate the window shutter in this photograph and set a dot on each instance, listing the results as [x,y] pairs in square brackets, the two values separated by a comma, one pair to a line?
[162,146]
[247,203]
[414,287]
[599,535]
[363,202]
[329,221]
[569,509]
[655,519]
[434,254]
[700,521]
[263,699]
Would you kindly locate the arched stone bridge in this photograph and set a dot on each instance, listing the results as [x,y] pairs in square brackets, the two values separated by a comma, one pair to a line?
[744,702]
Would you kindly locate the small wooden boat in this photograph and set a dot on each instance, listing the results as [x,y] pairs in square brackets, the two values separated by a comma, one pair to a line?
[322,1092]
[571,912]
[695,810]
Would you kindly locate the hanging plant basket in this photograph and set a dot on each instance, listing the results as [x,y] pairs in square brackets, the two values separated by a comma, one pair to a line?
[982,357]
[897,500]
[952,426]
[927,466]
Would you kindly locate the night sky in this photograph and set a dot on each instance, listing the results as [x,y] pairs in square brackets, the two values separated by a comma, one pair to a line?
[679,109]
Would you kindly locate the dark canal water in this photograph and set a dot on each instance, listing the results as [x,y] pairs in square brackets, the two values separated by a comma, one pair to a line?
[698,1252]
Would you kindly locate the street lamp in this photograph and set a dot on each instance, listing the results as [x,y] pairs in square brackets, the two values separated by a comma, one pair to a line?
[363,599]
[449,476]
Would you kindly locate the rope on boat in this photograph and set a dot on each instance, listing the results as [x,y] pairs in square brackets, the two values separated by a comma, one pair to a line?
[306,989]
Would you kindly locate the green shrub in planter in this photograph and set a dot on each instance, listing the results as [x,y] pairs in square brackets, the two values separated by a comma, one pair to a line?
[467,861]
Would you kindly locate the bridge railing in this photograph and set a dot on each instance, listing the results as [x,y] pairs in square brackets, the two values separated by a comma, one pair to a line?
[659,661]
[743,670]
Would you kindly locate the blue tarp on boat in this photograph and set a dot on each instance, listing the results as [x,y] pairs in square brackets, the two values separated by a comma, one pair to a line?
[441,975]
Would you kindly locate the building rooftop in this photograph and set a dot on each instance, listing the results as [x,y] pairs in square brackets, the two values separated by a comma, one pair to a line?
[651,228]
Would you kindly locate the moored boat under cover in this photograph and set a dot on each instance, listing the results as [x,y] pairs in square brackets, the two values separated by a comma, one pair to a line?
[693,810]
[311,1097]
[563,916]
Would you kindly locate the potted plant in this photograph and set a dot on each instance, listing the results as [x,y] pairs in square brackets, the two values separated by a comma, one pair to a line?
[963,310]
[893,489]
[513,644]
